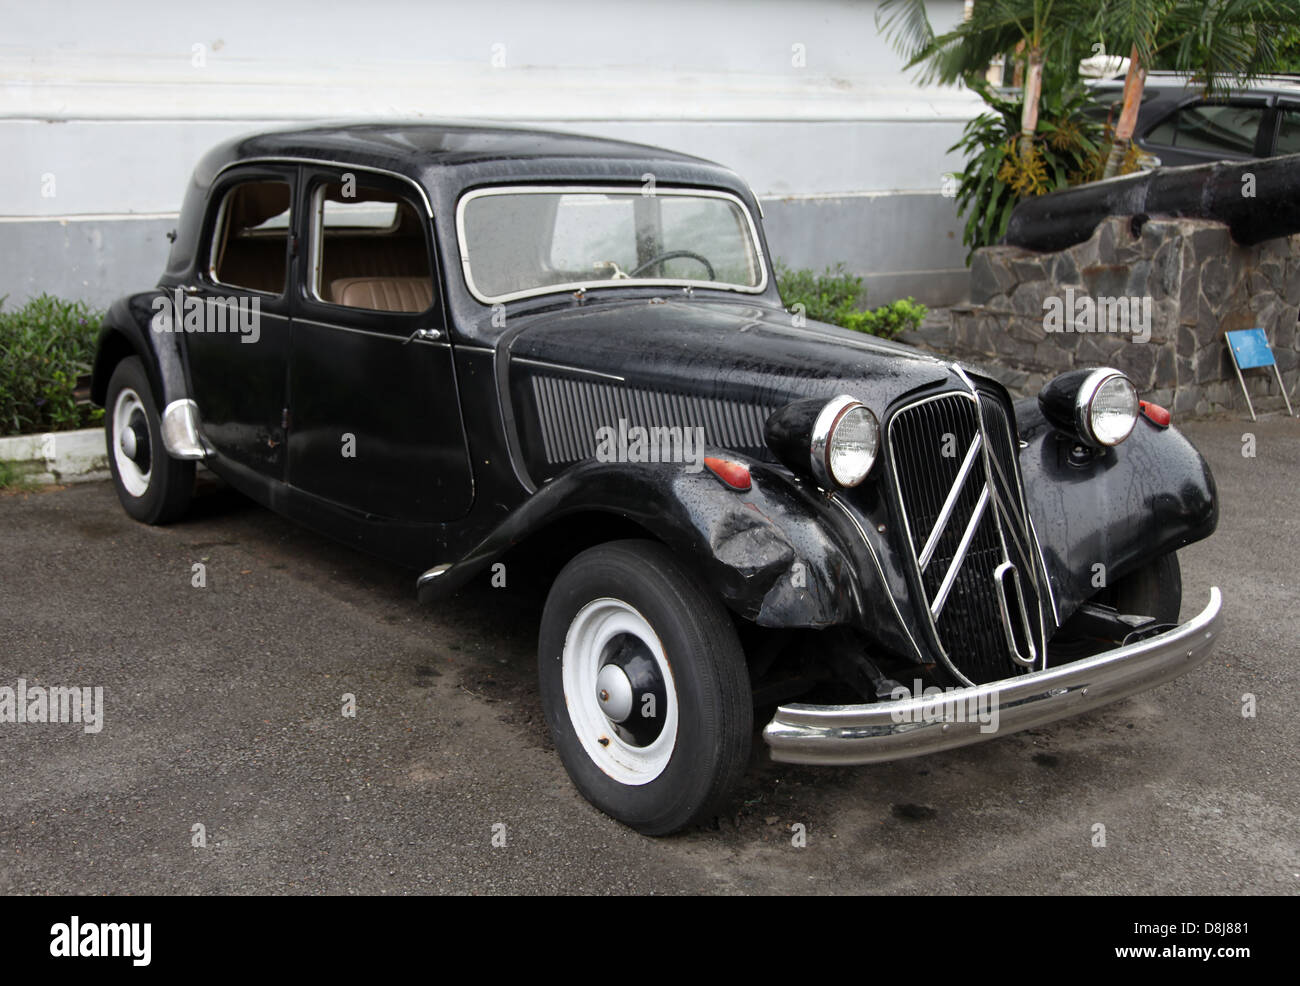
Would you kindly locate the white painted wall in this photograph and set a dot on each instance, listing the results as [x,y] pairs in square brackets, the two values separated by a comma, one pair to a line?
[105,107]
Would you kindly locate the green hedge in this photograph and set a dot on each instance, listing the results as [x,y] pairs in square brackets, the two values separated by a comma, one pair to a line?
[834,296]
[44,346]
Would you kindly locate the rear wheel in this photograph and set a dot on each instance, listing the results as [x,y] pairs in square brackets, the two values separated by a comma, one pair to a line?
[151,485]
[644,686]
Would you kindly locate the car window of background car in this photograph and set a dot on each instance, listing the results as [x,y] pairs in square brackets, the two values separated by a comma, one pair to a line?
[249,243]
[1219,128]
[369,250]
[1288,132]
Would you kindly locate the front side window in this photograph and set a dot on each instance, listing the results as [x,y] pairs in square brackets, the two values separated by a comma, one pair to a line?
[250,240]
[517,242]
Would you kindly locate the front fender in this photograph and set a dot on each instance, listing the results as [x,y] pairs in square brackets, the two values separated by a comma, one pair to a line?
[1151,495]
[769,552]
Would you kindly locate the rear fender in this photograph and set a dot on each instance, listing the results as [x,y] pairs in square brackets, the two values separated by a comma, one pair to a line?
[127,331]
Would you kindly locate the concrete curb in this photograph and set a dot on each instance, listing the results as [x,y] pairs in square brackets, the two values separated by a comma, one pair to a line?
[58,456]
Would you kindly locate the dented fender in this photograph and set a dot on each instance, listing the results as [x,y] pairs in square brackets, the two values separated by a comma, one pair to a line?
[769,551]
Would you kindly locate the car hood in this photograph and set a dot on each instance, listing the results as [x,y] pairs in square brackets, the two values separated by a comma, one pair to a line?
[718,368]
[726,352]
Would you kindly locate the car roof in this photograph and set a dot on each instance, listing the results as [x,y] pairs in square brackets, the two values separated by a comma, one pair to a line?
[461,152]
[445,159]
[1179,83]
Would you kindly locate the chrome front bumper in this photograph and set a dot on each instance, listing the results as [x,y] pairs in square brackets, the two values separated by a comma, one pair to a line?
[909,727]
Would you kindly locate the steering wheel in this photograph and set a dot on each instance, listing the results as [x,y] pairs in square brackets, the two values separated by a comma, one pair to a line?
[672,255]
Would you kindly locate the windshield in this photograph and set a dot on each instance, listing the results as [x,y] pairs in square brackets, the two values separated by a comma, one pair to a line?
[516,242]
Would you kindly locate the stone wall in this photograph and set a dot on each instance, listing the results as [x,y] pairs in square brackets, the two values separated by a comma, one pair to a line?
[1199,283]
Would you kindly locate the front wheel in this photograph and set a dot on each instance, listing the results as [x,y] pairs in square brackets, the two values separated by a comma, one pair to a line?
[151,485]
[1155,590]
[644,686]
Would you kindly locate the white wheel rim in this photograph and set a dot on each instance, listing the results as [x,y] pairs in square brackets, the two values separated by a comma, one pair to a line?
[592,629]
[134,480]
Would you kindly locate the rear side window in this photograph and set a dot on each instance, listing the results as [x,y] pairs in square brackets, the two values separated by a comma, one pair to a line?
[250,241]
[369,248]
[1217,128]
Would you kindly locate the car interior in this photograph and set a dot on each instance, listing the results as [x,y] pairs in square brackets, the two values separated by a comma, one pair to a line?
[370,251]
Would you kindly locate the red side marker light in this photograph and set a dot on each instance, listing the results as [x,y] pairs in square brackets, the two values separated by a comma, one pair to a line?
[733,474]
[1154,413]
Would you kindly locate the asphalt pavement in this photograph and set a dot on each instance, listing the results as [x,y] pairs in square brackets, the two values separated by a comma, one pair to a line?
[223,707]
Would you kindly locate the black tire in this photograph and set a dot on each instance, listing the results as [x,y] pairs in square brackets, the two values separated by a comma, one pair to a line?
[169,482]
[1155,589]
[709,678]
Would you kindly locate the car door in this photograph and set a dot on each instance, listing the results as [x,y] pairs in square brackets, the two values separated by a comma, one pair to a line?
[234,317]
[375,421]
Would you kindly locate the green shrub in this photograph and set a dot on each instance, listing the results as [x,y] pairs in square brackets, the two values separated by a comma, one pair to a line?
[834,295]
[44,346]
[893,319]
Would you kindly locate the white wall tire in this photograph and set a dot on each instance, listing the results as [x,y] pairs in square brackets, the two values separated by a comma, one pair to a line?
[151,486]
[630,610]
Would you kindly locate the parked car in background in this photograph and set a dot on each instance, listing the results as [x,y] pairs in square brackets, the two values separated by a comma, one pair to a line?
[454,345]
[1179,124]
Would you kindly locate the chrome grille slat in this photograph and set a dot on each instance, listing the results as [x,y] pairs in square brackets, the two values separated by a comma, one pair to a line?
[569,412]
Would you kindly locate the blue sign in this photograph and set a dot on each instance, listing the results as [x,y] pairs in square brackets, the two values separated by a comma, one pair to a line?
[1250,348]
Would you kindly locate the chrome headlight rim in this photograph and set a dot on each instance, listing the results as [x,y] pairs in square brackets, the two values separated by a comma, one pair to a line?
[1083,406]
[822,442]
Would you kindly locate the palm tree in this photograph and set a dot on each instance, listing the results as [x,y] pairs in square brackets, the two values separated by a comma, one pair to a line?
[994,27]
[1217,42]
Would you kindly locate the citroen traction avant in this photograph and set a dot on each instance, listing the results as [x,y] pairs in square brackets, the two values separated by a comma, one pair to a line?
[455,346]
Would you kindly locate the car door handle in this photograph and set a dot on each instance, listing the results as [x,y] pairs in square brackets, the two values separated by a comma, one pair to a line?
[425,335]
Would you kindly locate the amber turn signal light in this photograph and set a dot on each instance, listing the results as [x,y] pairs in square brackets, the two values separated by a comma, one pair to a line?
[1154,413]
[734,474]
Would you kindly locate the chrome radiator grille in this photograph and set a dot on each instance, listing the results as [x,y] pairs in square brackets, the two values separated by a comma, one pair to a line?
[954,464]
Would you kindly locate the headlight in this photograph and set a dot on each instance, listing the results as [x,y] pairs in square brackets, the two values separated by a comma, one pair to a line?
[834,441]
[1107,407]
[1099,406]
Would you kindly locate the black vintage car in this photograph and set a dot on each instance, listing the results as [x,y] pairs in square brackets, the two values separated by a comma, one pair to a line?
[456,346]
